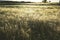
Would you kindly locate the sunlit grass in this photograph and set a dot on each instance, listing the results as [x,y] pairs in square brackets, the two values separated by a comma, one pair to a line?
[26,22]
[38,12]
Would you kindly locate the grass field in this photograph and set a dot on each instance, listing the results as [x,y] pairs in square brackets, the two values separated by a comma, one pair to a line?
[29,22]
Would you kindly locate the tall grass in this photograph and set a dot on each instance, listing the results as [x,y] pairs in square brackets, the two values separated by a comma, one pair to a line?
[29,23]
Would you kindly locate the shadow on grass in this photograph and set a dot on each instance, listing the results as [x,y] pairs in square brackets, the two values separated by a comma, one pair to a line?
[28,30]
[44,30]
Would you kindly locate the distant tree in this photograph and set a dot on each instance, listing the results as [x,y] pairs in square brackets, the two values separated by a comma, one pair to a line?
[49,1]
[44,1]
[22,1]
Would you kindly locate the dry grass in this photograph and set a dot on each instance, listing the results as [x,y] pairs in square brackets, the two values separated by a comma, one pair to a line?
[28,22]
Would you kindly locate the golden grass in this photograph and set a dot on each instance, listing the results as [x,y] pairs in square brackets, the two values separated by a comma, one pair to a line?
[24,21]
[34,12]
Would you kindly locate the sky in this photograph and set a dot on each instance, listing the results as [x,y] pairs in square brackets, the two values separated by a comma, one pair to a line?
[31,0]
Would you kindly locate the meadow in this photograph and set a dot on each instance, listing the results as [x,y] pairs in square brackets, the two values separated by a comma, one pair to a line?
[29,22]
